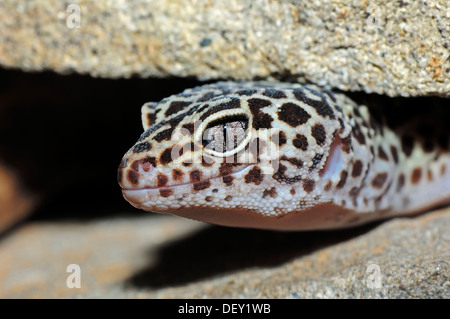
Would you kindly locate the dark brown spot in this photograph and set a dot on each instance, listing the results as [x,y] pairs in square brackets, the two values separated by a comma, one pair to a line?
[443,168]
[189,127]
[293,114]
[279,138]
[151,118]
[163,135]
[416,175]
[228,198]
[135,165]
[321,107]
[255,147]
[234,103]
[176,106]
[187,164]
[280,177]
[165,192]
[207,96]
[256,105]
[254,176]
[276,94]
[195,176]
[166,156]
[300,142]
[162,180]
[292,191]
[341,123]
[328,186]
[177,174]
[228,180]
[330,94]
[246,92]
[207,161]
[407,144]
[401,182]
[202,185]
[318,132]
[354,191]
[209,198]
[359,136]
[357,113]
[303,203]
[343,179]
[215,190]
[308,185]
[430,175]
[260,119]
[145,146]
[357,168]
[382,154]
[379,180]
[394,154]
[270,192]
[225,169]
[133,177]
[293,161]
[346,144]
[173,122]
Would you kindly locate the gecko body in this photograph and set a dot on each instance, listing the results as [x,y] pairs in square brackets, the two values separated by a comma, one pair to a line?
[283,156]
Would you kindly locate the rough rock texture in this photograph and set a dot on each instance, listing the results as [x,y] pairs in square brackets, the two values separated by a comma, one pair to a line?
[166,257]
[398,48]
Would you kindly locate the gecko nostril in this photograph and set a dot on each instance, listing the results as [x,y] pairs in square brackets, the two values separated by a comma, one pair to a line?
[146,166]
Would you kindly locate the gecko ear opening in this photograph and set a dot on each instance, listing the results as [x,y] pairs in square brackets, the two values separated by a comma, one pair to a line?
[333,161]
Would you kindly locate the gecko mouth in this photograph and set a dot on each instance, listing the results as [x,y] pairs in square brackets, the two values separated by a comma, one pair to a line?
[147,197]
[242,170]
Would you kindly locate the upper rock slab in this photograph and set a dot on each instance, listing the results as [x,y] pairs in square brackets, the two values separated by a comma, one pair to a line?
[397,48]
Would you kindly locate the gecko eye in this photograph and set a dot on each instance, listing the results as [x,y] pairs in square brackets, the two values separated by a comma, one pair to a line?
[226,134]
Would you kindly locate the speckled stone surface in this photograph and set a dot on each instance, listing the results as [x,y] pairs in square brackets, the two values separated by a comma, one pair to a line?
[397,48]
[157,256]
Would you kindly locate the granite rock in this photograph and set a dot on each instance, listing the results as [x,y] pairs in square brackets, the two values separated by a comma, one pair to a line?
[157,256]
[396,48]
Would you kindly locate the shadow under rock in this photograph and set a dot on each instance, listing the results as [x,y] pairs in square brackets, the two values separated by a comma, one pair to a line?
[219,250]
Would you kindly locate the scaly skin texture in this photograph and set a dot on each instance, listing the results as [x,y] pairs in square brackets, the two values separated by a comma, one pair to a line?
[283,156]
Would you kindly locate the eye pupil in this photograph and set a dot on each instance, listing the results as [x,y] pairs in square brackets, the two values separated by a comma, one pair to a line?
[225,134]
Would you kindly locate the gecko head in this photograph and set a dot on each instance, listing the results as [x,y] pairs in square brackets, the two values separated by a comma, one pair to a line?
[241,158]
